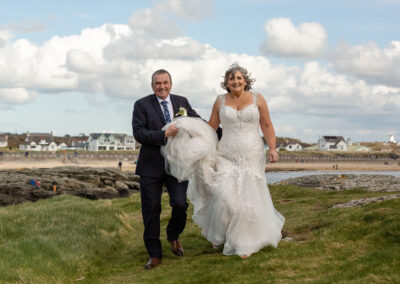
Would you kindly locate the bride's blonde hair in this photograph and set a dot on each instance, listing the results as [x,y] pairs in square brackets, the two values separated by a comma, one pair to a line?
[246,76]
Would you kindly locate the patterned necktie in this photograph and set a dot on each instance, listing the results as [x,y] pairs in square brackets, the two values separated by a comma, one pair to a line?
[166,112]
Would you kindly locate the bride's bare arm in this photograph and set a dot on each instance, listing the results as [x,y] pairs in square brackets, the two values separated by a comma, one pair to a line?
[214,118]
[267,128]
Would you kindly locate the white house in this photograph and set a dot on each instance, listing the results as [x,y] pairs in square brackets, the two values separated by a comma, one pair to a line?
[52,146]
[391,139]
[3,140]
[77,141]
[130,143]
[328,143]
[62,146]
[110,142]
[38,142]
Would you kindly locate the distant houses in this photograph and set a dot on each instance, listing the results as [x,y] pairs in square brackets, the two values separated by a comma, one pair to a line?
[39,142]
[95,142]
[3,140]
[110,142]
[338,143]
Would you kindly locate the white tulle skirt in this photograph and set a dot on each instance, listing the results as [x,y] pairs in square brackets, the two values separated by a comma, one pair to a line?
[232,206]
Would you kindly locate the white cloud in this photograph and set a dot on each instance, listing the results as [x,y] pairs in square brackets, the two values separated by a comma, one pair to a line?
[5,35]
[31,26]
[285,39]
[186,9]
[143,47]
[152,23]
[16,95]
[158,22]
[369,62]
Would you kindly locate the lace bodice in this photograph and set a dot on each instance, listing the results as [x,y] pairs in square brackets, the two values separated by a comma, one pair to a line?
[241,142]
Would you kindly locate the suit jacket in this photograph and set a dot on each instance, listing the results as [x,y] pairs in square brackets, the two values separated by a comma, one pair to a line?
[147,121]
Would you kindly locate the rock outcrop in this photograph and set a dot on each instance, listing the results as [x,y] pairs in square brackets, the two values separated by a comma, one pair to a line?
[351,181]
[92,183]
[365,201]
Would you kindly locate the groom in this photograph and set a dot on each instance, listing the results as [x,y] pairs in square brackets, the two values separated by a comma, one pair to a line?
[150,114]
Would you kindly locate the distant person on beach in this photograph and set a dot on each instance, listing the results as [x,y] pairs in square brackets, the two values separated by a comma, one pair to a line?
[150,115]
[54,185]
[120,165]
[35,183]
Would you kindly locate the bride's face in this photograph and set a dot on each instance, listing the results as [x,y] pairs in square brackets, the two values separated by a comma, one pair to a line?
[236,82]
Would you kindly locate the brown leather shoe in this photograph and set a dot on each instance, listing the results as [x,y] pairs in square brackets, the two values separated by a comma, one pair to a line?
[176,247]
[153,262]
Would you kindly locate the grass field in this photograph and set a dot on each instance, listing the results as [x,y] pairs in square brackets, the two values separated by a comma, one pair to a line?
[73,240]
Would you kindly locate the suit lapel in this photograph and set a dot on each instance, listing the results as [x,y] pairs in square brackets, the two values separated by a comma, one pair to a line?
[175,104]
[157,107]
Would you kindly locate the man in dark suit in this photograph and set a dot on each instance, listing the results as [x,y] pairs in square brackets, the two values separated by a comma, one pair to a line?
[150,114]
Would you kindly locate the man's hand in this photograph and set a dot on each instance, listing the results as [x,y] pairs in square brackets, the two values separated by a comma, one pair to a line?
[171,131]
[273,156]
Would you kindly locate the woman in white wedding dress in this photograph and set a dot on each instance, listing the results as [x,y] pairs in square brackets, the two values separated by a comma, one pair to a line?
[227,184]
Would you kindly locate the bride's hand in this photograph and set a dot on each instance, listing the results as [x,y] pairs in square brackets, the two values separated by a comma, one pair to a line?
[273,156]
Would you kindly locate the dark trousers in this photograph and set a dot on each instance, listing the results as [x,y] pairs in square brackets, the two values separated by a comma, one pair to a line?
[150,192]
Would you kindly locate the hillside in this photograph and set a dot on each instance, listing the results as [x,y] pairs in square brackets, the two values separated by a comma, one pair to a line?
[67,239]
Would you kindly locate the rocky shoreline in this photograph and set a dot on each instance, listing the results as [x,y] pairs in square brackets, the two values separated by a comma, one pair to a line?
[106,183]
[92,183]
[379,182]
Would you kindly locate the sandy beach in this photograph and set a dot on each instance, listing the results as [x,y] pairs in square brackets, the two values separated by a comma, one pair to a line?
[130,166]
[126,166]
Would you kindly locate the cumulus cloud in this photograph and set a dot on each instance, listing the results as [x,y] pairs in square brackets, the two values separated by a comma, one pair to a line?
[284,39]
[144,47]
[153,23]
[158,21]
[5,35]
[369,62]
[11,96]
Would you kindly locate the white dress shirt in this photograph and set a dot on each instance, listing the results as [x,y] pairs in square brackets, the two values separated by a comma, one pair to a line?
[169,105]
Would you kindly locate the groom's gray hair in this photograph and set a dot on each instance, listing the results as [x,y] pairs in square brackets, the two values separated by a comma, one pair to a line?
[159,72]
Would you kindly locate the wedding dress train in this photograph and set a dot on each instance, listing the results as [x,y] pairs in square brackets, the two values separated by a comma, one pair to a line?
[227,184]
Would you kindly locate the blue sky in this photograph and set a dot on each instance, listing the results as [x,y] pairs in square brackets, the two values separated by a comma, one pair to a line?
[324,67]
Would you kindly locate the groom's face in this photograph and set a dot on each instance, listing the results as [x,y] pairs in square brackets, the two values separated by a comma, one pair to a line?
[161,85]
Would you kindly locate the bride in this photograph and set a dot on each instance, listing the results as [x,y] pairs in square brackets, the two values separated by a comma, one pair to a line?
[227,184]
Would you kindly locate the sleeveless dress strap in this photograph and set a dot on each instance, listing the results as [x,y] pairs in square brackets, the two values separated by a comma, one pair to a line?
[221,100]
[255,97]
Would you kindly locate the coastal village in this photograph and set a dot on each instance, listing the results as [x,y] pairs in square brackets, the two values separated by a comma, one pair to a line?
[122,142]
[49,142]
